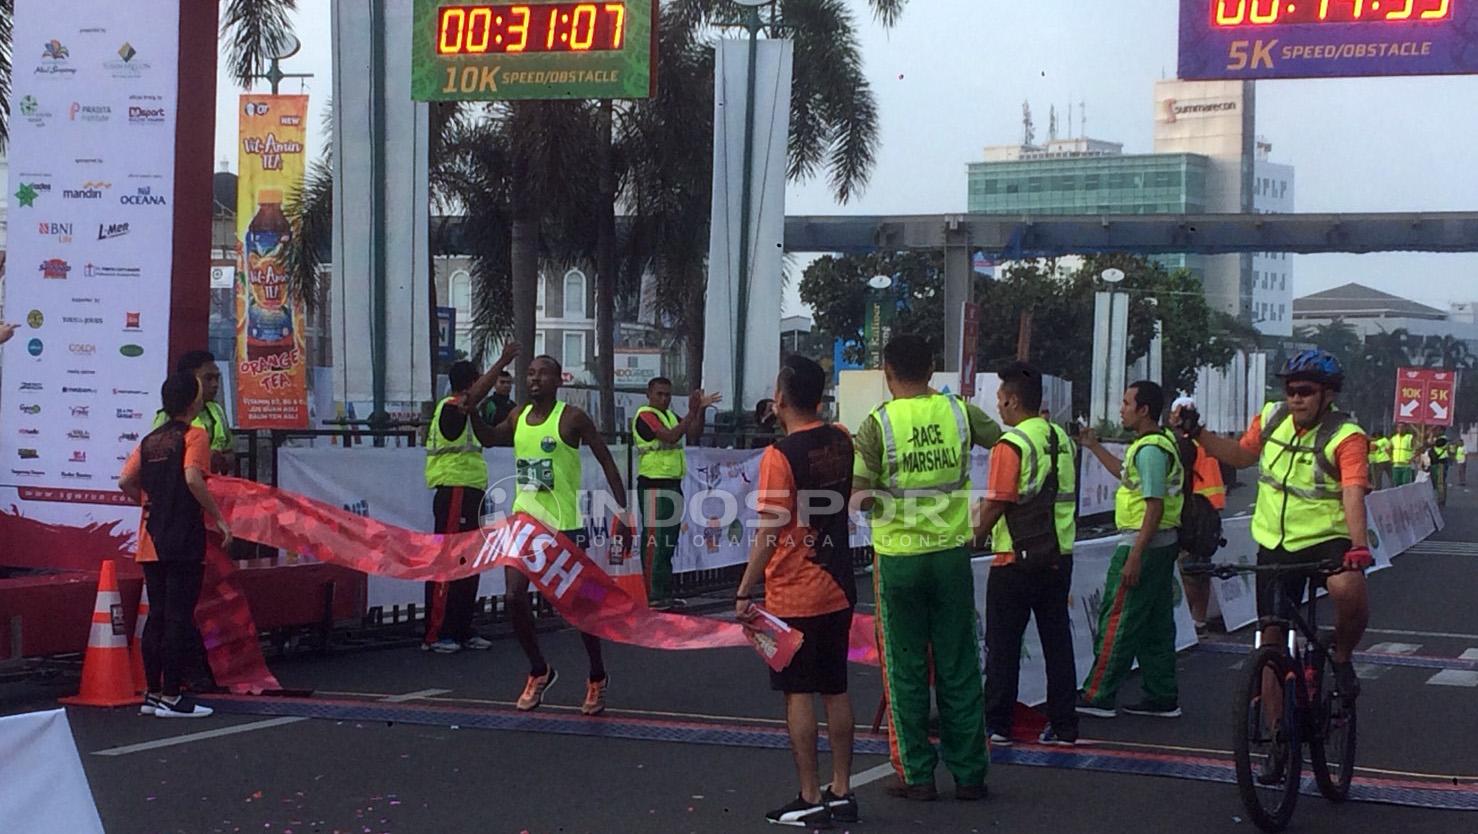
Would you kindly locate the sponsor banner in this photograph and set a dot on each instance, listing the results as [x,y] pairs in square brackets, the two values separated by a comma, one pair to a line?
[90,249]
[271,345]
[1090,572]
[1399,517]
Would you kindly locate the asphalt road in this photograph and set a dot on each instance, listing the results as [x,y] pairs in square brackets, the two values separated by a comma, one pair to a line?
[692,743]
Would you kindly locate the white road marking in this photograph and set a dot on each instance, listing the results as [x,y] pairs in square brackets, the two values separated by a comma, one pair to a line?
[872,774]
[1468,654]
[1448,635]
[1395,648]
[1454,677]
[269,723]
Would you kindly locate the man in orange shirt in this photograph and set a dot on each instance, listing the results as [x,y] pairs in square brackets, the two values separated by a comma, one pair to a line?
[801,549]
[1205,481]
[1310,501]
[166,474]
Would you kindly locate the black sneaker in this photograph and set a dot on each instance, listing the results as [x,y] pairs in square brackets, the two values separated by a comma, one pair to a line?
[1052,738]
[801,814]
[182,707]
[1346,682]
[900,789]
[843,808]
[1094,710]
[1154,710]
[150,705]
[971,793]
[999,738]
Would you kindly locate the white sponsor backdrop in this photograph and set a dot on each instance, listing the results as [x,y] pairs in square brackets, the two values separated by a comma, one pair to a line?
[91,236]
[1096,485]
[45,786]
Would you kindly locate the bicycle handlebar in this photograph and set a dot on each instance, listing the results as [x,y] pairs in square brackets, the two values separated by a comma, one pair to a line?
[1228,571]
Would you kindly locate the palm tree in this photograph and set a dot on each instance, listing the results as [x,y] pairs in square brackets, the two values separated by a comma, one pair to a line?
[1447,352]
[7,29]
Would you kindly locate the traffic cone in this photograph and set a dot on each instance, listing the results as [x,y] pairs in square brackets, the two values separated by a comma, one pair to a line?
[136,650]
[107,680]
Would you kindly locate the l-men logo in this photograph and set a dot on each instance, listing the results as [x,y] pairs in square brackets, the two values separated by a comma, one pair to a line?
[109,231]
[55,269]
[144,197]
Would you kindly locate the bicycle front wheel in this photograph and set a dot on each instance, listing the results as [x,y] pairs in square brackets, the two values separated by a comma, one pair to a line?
[1332,748]
[1265,743]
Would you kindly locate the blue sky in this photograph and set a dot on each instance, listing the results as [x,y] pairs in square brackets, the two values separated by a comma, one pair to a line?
[951,77]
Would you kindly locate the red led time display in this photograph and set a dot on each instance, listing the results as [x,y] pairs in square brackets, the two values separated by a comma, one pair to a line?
[1225,13]
[556,27]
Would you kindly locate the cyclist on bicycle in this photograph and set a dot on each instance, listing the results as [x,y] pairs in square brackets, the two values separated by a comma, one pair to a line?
[1310,499]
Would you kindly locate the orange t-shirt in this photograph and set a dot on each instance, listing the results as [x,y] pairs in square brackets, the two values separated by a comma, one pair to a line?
[1352,455]
[1003,483]
[1206,478]
[197,456]
[797,582]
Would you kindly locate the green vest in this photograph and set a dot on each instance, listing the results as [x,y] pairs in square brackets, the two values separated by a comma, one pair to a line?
[1402,449]
[656,459]
[1032,441]
[548,472]
[1380,451]
[456,463]
[925,476]
[1129,503]
[212,418]
[1300,502]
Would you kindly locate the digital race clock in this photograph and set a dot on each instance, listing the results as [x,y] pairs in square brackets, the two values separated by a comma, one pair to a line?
[533,50]
[1250,39]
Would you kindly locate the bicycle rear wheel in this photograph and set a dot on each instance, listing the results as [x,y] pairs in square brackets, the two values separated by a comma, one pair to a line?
[1269,761]
[1332,747]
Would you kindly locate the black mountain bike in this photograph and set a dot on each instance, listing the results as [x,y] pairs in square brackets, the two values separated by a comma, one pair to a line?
[1268,743]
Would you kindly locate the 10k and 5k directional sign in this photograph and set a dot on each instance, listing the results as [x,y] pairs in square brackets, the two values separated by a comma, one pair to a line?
[538,49]
[1425,396]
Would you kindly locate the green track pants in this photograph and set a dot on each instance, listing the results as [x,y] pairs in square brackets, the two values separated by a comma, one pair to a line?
[1136,623]
[661,521]
[926,610]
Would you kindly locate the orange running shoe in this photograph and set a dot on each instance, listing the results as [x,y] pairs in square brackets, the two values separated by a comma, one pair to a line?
[595,696]
[533,691]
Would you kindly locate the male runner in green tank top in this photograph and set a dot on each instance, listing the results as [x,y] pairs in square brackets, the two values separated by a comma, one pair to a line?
[546,437]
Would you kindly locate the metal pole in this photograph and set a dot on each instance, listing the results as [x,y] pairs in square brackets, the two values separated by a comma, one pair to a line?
[378,419]
[746,200]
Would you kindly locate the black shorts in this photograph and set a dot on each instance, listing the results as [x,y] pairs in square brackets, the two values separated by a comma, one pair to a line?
[1294,584]
[820,666]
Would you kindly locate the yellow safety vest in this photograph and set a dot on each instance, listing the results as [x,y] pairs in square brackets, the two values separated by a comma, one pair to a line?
[1462,454]
[1129,502]
[1380,451]
[547,470]
[212,418]
[455,463]
[1031,439]
[1402,449]
[656,459]
[1300,502]
[925,478]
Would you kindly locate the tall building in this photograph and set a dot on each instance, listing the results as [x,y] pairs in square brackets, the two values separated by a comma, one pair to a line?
[1272,272]
[1215,119]
[1206,160]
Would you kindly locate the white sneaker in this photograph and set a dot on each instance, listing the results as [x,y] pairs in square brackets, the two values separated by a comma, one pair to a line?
[477,642]
[181,708]
[150,705]
[1000,739]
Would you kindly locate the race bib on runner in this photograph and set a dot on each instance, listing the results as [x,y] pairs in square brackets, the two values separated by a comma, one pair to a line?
[534,474]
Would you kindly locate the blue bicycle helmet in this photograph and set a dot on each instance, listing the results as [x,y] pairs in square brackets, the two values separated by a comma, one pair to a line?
[1316,366]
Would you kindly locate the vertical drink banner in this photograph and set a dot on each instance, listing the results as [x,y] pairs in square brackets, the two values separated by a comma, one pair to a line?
[271,346]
